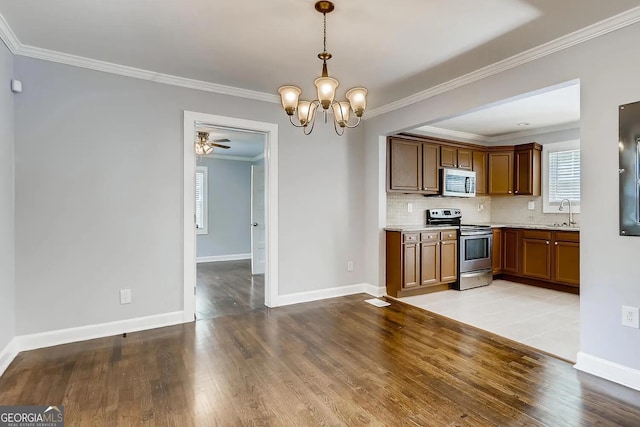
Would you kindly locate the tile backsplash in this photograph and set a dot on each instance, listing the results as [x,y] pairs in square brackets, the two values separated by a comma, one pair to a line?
[482,209]
[474,209]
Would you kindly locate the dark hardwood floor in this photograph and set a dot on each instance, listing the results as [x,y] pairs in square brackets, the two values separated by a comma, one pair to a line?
[332,362]
[225,288]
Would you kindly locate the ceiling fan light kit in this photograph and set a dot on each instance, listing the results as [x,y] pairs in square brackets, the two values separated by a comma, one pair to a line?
[204,146]
[326,90]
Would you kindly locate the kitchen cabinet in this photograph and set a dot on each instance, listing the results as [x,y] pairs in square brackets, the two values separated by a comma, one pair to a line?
[420,262]
[527,172]
[452,157]
[511,248]
[479,166]
[496,251]
[536,254]
[548,258]
[413,166]
[501,172]
[566,258]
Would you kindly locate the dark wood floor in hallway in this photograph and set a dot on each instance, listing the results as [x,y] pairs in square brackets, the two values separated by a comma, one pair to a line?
[333,362]
[227,287]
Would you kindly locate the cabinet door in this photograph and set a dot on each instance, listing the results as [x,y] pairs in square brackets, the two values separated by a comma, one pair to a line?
[501,173]
[536,258]
[496,252]
[511,254]
[430,168]
[448,157]
[465,159]
[480,168]
[522,175]
[448,261]
[405,165]
[411,261]
[566,264]
[430,263]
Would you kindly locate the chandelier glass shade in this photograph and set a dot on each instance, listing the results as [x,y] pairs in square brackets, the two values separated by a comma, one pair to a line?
[203,146]
[326,91]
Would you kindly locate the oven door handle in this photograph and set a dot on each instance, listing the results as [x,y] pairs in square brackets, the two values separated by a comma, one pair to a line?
[475,233]
[476,273]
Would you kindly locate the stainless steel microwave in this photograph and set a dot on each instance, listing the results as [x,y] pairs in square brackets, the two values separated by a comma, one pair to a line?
[458,183]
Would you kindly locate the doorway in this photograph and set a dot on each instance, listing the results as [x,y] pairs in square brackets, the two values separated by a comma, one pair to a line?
[269,207]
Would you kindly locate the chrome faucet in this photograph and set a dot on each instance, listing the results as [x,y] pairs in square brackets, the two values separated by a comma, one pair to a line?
[561,208]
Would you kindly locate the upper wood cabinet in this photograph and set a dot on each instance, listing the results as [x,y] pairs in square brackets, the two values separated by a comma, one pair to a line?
[413,166]
[528,172]
[452,157]
[430,169]
[479,166]
[405,162]
[501,172]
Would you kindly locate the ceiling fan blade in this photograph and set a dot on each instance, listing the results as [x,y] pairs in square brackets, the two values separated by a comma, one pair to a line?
[221,140]
[220,145]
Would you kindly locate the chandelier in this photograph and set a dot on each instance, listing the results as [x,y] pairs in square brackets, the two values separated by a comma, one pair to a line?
[326,86]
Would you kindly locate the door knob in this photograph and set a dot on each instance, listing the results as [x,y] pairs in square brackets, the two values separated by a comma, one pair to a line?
[255,224]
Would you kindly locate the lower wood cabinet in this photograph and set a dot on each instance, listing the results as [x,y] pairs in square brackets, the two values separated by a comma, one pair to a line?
[496,252]
[420,262]
[540,257]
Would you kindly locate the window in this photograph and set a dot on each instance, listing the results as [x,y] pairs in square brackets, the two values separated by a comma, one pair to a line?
[201,201]
[562,173]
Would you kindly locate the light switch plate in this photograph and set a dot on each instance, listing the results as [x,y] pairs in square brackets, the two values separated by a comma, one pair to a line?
[409,207]
[531,205]
[125,296]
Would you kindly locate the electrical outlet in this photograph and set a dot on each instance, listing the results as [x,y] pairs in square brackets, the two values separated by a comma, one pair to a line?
[630,317]
[350,266]
[125,296]
[409,207]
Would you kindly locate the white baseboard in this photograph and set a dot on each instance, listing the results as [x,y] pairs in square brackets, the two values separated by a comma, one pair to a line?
[82,333]
[611,371]
[216,258]
[7,355]
[321,294]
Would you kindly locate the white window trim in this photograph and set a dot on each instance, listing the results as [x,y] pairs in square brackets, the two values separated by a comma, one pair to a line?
[548,207]
[205,204]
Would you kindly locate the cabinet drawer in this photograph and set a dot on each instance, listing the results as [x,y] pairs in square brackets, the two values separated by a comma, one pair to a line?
[429,236]
[536,234]
[448,235]
[413,237]
[567,236]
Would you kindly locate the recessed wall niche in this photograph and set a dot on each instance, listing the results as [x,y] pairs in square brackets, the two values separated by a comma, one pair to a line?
[629,169]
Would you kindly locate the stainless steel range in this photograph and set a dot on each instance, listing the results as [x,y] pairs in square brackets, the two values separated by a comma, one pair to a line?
[475,244]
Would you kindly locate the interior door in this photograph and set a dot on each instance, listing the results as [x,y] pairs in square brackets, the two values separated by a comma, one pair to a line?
[258,231]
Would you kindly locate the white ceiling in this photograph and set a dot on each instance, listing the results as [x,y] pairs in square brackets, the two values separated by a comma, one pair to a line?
[394,49]
[242,143]
[544,109]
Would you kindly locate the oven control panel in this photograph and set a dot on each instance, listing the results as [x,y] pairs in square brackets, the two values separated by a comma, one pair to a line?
[444,213]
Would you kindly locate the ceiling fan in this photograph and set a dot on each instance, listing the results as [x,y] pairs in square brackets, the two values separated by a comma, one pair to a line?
[205,146]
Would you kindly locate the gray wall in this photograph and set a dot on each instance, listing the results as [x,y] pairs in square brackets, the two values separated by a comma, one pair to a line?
[99,196]
[229,188]
[608,74]
[7,287]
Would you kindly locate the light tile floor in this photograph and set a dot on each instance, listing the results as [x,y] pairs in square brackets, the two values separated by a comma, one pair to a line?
[541,318]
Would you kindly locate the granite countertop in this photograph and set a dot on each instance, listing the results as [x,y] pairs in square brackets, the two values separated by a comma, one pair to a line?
[422,227]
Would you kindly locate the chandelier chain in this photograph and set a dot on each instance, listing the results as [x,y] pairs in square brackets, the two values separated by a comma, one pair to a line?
[325,32]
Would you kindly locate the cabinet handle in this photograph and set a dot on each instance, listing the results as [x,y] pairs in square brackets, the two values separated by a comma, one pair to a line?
[556,243]
[516,191]
[509,191]
[547,242]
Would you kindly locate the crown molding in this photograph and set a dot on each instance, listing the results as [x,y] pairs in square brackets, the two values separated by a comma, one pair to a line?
[8,36]
[225,157]
[489,140]
[17,48]
[598,29]
[449,133]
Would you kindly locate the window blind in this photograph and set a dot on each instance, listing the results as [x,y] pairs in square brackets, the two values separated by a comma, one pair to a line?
[200,200]
[564,176]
